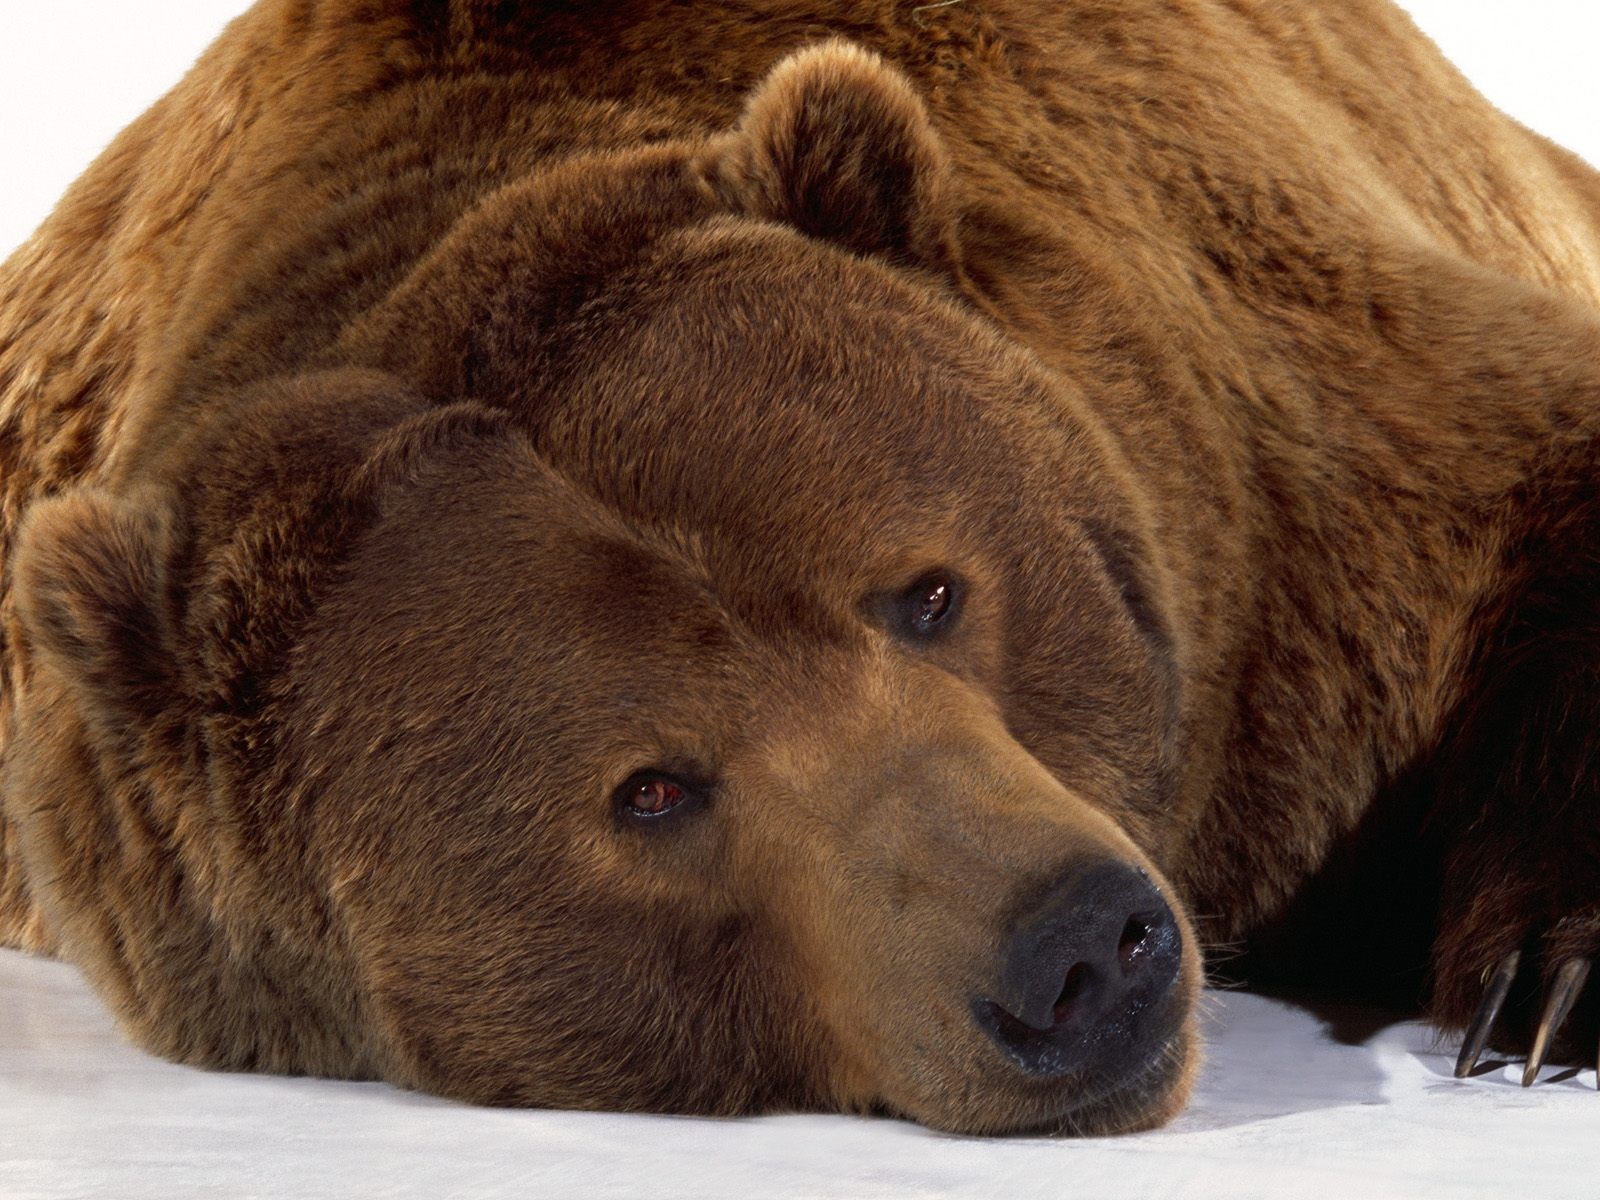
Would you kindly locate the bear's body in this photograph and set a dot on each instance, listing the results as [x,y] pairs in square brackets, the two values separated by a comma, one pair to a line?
[1315,330]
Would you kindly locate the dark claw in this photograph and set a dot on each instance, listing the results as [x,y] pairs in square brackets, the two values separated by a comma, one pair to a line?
[1493,997]
[1563,993]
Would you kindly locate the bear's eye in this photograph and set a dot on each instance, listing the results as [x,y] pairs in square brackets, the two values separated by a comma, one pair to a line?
[930,604]
[651,795]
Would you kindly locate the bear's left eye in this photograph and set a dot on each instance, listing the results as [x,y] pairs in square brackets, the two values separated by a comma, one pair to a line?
[651,796]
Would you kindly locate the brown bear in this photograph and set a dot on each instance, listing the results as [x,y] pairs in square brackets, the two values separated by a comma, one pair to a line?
[796,554]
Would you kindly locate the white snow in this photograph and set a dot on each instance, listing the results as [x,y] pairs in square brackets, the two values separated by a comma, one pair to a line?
[1282,1111]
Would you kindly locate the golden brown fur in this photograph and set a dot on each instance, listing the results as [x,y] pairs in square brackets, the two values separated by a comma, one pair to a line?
[429,410]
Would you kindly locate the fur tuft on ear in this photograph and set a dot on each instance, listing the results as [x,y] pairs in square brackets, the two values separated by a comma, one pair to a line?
[90,588]
[839,145]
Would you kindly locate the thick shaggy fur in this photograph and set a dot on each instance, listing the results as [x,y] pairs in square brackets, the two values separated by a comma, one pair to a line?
[433,411]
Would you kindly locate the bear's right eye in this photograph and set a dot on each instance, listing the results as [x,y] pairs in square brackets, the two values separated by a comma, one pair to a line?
[651,796]
[929,606]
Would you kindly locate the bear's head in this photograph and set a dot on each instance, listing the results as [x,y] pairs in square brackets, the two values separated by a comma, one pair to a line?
[680,655]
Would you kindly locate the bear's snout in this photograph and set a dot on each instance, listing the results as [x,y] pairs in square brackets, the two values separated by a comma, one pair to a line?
[1009,959]
[1087,976]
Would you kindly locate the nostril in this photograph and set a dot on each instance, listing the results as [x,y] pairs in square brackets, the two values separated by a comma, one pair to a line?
[1134,941]
[1075,994]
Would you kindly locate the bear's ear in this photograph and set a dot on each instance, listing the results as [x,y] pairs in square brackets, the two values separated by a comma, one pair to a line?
[90,587]
[839,145]
[294,468]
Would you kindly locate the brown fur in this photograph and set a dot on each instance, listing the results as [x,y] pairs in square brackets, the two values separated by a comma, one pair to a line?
[430,413]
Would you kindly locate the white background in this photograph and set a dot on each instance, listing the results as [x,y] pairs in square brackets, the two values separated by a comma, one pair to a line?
[74,72]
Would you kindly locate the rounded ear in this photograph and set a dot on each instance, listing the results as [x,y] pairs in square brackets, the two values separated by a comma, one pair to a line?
[135,619]
[301,471]
[91,594]
[839,145]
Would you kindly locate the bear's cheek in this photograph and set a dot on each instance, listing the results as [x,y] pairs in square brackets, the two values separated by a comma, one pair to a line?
[562,986]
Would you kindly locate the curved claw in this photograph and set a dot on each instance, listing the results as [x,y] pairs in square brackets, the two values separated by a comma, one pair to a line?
[1494,997]
[1563,994]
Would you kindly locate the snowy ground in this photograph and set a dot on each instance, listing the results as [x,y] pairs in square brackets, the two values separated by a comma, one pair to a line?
[1283,1111]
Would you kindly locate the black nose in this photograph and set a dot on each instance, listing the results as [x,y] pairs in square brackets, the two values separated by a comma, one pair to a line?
[1087,975]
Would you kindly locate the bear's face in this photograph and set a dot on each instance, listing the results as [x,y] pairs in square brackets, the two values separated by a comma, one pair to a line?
[703,778]
[740,730]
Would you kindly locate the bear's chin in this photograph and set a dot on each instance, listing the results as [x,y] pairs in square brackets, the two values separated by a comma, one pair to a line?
[1142,1097]
[1155,1094]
